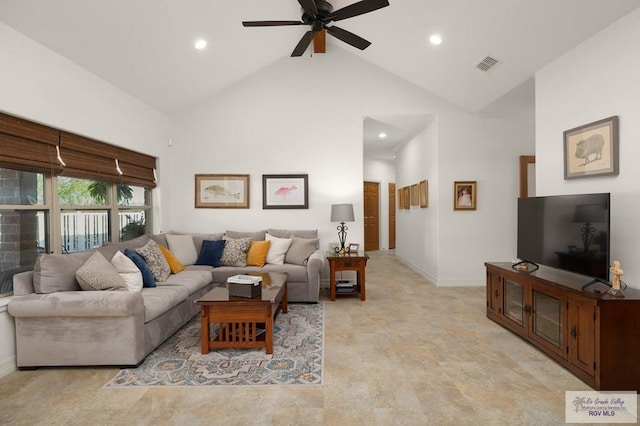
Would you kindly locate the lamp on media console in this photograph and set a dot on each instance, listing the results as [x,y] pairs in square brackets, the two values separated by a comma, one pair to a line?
[588,214]
[342,213]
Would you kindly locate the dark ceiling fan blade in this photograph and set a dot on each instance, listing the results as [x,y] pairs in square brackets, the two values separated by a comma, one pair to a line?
[270,23]
[309,6]
[360,8]
[303,44]
[348,37]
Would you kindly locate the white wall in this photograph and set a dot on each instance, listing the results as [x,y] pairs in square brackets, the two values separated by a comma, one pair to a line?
[598,79]
[302,115]
[417,228]
[42,86]
[450,247]
[305,116]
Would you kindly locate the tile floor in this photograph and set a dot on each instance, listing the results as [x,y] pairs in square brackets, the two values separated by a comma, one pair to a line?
[412,354]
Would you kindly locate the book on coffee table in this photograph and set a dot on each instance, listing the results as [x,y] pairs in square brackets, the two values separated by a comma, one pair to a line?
[244,279]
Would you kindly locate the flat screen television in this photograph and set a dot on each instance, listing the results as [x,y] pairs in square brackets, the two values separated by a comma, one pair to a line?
[569,232]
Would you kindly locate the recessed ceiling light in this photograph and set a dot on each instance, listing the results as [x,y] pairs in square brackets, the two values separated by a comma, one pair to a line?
[435,39]
[382,135]
[200,44]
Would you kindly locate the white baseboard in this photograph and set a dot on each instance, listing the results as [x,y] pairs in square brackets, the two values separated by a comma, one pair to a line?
[8,366]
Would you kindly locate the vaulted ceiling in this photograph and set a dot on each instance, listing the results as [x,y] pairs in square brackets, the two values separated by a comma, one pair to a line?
[145,47]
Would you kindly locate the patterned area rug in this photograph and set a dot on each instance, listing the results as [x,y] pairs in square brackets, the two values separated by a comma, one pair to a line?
[296,360]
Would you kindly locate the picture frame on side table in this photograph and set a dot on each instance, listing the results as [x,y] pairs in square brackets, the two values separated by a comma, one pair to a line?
[424,193]
[285,191]
[219,191]
[592,149]
[354,247]
[464,195]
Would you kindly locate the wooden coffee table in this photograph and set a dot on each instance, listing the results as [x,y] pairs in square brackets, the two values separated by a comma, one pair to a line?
[243,322]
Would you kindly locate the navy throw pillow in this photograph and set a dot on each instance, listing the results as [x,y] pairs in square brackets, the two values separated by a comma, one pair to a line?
[147,275]
[210,253]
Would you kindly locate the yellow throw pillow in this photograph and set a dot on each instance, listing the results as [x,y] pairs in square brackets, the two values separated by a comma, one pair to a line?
[257,254]
[174,263]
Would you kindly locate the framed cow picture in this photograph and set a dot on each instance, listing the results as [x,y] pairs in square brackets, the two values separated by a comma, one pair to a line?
[285,191]
[592,149]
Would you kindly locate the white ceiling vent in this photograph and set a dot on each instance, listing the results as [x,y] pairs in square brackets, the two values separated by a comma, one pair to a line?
[487,63]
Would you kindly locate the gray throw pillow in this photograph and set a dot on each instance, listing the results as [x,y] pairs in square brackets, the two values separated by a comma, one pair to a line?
[300,250]
[254,236]
[155,260]
[289,233]
[183,248]
[98,273]
[235,252]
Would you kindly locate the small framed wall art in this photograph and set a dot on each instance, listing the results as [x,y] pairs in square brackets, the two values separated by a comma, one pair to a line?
[222,191]
[591,149]
[414,195]
[406,197]
[424,193]
[285,191]
[464,195]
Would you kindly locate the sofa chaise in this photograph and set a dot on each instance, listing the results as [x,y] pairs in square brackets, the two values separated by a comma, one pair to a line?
[59,323]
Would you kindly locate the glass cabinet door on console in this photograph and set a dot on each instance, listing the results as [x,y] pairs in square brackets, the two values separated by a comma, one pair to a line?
[514,305]
[548,319]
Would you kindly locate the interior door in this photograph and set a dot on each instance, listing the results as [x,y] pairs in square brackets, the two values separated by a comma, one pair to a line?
[527,176]
[371,216]
[392,216]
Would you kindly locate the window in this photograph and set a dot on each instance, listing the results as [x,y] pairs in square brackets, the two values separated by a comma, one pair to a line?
[83,208]
[24,218]
[87,213]
[134,208]
[61,192]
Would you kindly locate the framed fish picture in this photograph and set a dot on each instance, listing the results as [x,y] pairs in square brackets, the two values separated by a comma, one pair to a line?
[285,191]
[222,191]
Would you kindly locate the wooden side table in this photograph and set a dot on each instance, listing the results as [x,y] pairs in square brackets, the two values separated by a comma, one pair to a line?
[348,262]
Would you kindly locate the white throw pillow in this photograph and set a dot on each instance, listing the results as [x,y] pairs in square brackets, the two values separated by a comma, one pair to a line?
[277,249]
[128,271]
[183,248]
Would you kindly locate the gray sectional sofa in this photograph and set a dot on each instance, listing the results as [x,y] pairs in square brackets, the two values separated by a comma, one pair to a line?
[59,324]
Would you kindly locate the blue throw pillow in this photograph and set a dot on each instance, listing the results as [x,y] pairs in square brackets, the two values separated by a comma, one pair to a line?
[147,275]
[210,253]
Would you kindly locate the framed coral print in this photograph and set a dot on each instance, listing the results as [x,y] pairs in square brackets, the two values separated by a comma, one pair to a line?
[424,193]
[464,195]
[222,191]
[592,149]
[285,191]
[400,199]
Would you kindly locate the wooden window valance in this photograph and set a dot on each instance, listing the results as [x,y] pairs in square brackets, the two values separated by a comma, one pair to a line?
[34,147]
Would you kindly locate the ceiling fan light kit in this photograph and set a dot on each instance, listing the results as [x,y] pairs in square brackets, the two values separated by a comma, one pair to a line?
[318,14]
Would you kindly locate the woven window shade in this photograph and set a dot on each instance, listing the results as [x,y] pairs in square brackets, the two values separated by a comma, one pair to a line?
[30,146]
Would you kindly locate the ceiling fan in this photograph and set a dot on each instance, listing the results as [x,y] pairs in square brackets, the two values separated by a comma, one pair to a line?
[318,14]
